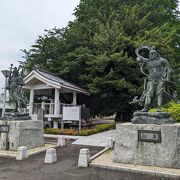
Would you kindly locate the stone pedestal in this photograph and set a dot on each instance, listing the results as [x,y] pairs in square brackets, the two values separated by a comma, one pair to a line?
[29,133]
[158,146]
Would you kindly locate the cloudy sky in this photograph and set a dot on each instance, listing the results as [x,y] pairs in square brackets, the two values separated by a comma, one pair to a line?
[22,21]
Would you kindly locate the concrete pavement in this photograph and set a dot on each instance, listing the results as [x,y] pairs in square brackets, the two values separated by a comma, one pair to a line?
[98,140]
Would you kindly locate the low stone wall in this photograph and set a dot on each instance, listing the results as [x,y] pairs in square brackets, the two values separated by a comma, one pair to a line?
[165,153]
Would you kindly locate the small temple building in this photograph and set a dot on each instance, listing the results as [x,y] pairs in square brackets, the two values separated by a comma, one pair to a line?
[41,83]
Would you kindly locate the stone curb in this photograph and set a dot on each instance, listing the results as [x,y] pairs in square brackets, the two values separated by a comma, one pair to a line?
[8,155]
[135,170]
[29,154]
[99,153]
[40,151]
[65,136]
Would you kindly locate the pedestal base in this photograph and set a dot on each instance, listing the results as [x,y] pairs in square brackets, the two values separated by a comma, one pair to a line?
[29,133]
[152,118]
[129,148]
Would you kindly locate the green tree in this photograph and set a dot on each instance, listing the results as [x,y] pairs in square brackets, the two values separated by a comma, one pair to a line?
[97,50]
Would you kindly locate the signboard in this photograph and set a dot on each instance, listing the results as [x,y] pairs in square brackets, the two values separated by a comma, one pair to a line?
[4,128]
[149,136]
[72,113]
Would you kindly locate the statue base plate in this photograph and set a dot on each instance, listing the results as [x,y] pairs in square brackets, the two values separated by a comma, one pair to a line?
[152,118]
[16,116]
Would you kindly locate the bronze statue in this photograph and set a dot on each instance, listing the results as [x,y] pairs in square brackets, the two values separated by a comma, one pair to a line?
[157,81]
[15,83]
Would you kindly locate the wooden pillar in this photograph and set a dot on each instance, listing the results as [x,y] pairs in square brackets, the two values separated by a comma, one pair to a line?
[31,101]
[75,98]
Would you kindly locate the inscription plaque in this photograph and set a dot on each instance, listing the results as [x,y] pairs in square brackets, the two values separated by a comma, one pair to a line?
[149,136]
[4,128]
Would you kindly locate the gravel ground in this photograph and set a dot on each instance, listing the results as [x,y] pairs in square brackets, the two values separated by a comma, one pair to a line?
[65,169]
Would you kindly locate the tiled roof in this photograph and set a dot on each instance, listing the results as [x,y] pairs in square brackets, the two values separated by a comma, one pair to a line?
[57,79]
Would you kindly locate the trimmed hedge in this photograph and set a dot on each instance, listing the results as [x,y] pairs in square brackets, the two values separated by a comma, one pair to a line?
[85,132]
[173,108]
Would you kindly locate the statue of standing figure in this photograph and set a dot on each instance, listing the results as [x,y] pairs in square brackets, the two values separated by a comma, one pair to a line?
[15,83]
[157,81]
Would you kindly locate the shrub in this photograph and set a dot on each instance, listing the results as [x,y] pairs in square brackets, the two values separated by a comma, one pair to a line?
[60,131]
[85,132]
[173,108]
[105,127]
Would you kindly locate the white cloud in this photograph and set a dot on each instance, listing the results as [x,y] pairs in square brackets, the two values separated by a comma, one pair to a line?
[22,21]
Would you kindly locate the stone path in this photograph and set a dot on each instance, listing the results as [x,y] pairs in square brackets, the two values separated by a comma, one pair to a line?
[95,139]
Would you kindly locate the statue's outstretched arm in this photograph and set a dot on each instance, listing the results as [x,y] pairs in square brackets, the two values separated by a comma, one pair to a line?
[142,59]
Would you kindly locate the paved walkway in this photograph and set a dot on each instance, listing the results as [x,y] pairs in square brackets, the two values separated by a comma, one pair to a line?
[95,139]
[92,140]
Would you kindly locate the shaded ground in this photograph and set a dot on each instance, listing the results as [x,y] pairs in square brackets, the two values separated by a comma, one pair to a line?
[65,169]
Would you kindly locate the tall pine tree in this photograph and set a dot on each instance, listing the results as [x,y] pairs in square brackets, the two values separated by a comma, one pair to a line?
[97,50]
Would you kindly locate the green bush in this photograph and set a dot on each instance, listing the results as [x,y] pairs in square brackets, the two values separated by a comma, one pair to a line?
[60,131]
[105,127]
[85,132]
[173,108]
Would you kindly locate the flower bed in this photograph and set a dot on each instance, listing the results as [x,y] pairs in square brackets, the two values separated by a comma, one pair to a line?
[84,132]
